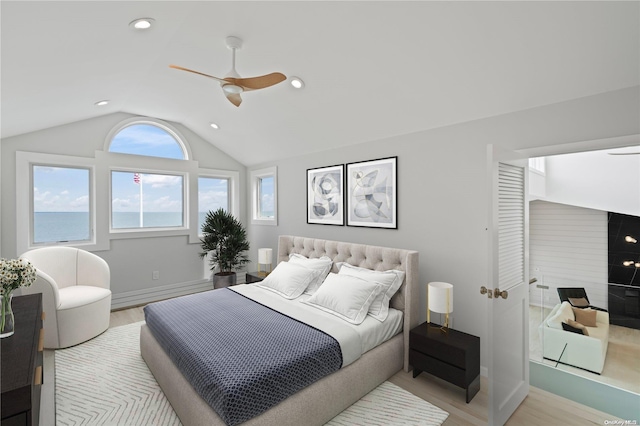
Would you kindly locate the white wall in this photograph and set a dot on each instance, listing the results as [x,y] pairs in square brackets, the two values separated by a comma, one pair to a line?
[595,180]
[442,190]
[131,260]
[568,248]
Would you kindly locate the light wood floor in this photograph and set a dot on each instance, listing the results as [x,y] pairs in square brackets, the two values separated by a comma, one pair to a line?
[540,408]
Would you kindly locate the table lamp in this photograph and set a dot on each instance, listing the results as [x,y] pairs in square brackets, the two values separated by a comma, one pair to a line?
[264,258]
[440,300]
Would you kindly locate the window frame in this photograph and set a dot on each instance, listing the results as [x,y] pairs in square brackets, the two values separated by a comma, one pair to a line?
[256,177]
[234,196]
[24,199]
[115,161]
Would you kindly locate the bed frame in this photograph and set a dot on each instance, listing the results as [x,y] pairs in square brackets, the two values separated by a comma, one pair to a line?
[326,398]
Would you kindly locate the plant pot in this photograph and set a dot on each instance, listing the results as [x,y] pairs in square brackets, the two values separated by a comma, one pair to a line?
[224,279]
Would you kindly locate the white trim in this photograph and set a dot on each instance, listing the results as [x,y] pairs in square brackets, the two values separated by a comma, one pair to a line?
[186,150]
[233,177]
[112,161]
[141,297]
[24,191]
[256,175]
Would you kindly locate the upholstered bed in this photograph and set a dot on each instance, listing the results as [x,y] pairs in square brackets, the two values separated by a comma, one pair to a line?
[327,397]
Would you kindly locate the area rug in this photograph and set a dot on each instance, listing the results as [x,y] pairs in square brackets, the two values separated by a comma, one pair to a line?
[105,381]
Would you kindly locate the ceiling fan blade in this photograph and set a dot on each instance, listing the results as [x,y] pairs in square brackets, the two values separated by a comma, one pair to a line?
[234,98]
[195,72]
[624,153]
[254,83]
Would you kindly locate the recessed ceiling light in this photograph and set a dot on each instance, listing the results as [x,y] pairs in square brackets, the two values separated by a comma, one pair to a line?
[214,126]
[102,103]
[297,82]
[141,23]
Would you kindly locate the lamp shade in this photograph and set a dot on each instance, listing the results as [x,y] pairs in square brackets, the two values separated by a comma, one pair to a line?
[265,255]
[440,297]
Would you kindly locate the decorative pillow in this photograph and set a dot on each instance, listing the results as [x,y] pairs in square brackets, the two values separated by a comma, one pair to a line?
[586,316]
[577,326]
[288,280]
[563,314]
[321,265]
[346,297]
[578,302]
[391,281]
[572,329]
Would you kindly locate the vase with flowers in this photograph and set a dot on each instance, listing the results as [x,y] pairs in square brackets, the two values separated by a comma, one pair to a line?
[14,273]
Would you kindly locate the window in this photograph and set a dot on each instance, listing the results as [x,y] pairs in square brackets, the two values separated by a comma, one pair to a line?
[146,200]
[265,196]
[56,202]
[537,165]
[147,139]
[213,193]
[60,204]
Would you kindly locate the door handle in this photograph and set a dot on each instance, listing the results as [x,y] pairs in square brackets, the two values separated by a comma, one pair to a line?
[497,293]
[484,290]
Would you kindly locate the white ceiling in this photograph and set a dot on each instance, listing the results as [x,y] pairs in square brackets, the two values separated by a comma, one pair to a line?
[372,69]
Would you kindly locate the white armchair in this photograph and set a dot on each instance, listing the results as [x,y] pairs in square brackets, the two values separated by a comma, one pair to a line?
[75,294]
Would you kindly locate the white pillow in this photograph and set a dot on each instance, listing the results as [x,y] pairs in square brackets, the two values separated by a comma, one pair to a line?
[563,314]
[288,280]
[391,281]
[321,265]
[346,297]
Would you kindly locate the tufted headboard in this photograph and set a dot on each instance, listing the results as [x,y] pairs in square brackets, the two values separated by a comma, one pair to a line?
[370,257]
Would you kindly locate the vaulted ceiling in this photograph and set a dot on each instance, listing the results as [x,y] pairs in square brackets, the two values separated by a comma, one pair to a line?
[372,69]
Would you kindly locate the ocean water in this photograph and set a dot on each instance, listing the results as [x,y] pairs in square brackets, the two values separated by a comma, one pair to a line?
[74,226]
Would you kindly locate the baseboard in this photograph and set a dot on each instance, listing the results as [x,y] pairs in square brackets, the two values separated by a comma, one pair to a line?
[140,297]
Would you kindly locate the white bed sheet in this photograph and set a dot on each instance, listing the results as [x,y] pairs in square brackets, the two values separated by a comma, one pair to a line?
[354,339]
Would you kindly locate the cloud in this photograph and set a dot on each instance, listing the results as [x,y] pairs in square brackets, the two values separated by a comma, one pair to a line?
[161,181]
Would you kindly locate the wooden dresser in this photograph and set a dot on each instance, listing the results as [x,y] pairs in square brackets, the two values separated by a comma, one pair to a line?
[22,360]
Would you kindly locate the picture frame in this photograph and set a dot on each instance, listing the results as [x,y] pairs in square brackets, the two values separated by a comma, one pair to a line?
[325,195]
[372,193]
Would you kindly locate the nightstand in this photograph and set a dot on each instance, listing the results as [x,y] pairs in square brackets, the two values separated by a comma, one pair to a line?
[255,277]
[453,356]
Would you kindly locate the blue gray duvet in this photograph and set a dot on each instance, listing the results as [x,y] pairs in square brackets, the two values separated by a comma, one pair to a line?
[240,356]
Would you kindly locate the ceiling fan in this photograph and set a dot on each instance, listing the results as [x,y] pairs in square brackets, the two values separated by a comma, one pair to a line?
[232,84]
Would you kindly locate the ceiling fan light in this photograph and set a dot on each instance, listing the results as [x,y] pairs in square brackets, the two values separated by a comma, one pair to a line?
[232,89]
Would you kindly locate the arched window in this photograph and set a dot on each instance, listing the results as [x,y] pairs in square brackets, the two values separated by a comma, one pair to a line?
[150,139]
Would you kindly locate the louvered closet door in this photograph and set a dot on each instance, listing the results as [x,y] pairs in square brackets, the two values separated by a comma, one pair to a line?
[508,308]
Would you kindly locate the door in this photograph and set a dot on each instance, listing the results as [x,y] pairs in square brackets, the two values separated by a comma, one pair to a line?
[507,290]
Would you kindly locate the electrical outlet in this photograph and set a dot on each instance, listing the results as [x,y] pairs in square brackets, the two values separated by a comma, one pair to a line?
[155,275]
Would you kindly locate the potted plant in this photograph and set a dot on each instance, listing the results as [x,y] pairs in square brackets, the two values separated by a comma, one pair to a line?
[225,241]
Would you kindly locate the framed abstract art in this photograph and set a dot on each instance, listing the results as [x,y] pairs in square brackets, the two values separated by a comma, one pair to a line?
[372,196]
[325,195]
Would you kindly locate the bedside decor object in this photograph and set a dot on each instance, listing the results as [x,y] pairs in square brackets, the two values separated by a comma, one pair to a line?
[372,196]
[440,300]
[452,356]
[224,241]
[325,196]
[265,257]
[14,273]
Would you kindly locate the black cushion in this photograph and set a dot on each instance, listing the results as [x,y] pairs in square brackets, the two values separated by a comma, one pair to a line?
[567,327]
